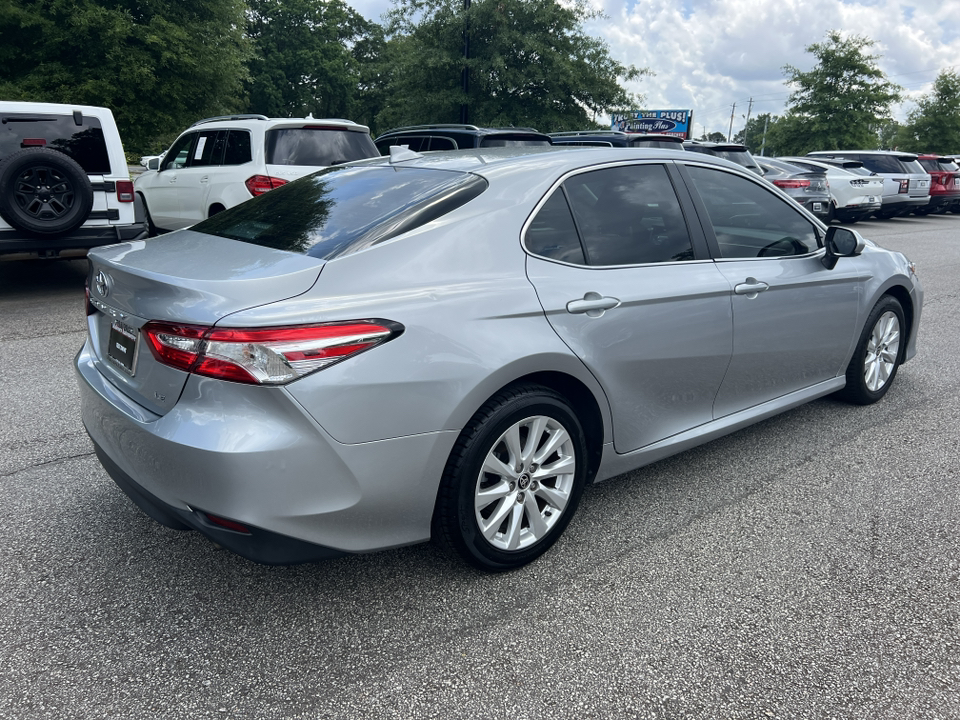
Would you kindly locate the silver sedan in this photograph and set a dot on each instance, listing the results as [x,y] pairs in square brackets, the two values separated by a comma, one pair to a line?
[451,346]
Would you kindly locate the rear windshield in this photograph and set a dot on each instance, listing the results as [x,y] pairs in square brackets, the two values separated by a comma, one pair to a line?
[664,144]
[513,141]
[913,166]
[341,210]
[84,143]
[886,164]
[948,165]
[319,147]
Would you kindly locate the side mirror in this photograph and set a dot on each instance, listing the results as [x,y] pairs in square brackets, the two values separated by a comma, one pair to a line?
[841,242]
[153,164]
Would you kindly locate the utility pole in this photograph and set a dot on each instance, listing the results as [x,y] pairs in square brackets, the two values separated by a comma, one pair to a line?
[465,74]
[730,131]
[749,108]
[764,143]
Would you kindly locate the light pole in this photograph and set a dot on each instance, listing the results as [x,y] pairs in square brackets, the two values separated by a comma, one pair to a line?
[465,73]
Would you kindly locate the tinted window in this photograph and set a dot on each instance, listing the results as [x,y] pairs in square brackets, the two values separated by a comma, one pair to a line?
[344,209]
[553,234]
[209,148]
[882,164]
[913,166]
[176,158]
[930,164]
[237,151]
[628,215]
[84,143]
[584,143]
[317,146]
[948,165]
[513,141]
[663,144]
[442,143]
[750,221]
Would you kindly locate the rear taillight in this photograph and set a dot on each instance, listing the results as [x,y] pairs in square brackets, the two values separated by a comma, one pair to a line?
[791,184]
[86,292]
[263,356]
[124,191]
[904,187]
[259,184]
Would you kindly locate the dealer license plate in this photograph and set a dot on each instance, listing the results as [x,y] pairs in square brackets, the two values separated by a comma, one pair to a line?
[923,183]
[871,199]
[817,207]
[956,182]
[122,346]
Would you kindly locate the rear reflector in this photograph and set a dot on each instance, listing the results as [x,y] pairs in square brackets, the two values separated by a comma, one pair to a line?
[228,524]
[124,191]
[791,184]
[33,142]
[259,184]
[263,356]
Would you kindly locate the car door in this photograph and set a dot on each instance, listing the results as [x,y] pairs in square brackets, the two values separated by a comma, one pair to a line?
[629,287]
[793,319]
[162,198]
[193,182]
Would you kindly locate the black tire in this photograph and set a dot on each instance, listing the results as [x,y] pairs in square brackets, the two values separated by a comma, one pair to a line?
[44,192]
[456,523]
[858,389]
[151,228]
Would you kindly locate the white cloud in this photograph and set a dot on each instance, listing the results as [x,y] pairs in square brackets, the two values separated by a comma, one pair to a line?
[708,54]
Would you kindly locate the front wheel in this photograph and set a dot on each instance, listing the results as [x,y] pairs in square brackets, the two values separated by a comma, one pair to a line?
[878,354]
[513,480]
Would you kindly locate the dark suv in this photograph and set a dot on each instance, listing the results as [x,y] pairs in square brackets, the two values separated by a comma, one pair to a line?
[421,138]
[733,152]
[64,182]
[616,138]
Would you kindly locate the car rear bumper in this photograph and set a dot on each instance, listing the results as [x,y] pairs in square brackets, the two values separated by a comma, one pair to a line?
[13,242]
[253,456]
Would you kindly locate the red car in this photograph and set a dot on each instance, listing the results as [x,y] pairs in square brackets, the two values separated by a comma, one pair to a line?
[944,184]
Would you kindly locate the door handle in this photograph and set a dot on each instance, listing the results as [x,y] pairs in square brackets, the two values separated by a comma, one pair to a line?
[593,304]
[750,287]
[205,178]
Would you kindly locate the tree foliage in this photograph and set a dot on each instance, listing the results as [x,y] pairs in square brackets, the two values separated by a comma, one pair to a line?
[842,101]
[158,65]
[934,125]
[531,64]
[307,57]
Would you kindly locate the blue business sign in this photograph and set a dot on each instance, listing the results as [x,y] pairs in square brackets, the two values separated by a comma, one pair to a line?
[664,122]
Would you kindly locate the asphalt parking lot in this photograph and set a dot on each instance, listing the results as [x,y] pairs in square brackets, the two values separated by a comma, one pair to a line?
[806,567]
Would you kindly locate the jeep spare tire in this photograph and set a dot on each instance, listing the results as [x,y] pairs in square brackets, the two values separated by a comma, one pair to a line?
[44,192]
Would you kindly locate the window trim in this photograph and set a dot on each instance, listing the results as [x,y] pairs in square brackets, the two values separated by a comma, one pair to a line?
[707,223]
[687,210]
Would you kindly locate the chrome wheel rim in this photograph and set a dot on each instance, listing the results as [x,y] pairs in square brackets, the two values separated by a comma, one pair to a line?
[883,349]
[525,483]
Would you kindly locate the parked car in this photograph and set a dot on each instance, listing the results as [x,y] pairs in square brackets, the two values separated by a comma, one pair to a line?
[152,162]
[616,138]
[944,184]
[64,182]
[906,183]
[809,187]
[220,162]
[454,344]
[733,152]
[856,193]
[422,138]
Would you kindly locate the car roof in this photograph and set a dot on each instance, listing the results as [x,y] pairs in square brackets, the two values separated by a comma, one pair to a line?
[456,127]
[253,122]
[900,155]
[17,106]
[489,162]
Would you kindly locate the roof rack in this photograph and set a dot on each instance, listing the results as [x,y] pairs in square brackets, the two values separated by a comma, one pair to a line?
[230,117]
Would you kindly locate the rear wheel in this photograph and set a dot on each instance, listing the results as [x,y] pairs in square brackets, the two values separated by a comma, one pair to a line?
[513,480]
[878,354]
[151,228]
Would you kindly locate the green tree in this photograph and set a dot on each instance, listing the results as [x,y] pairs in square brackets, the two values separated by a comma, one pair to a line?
[753,133]
[717,137]
[934,125]
[158,65]
[842,101]
[531,64]
[305,57]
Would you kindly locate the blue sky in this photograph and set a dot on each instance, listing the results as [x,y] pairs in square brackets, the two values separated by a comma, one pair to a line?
[708,54]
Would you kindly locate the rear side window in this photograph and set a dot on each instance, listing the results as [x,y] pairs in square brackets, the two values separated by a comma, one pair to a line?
[83,143]
[513,141]
[628,215]
[317,146]
[342,210]
[237,150]
[552,233]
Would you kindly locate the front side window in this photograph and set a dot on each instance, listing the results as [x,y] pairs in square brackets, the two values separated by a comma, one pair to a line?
[178,155]
[209,148]
[628,215]
[749,221]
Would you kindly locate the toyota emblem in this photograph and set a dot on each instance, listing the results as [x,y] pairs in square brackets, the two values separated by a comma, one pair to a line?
[102,283]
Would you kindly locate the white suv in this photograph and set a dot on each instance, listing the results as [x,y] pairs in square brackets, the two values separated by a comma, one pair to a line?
[220,162]
[64,182]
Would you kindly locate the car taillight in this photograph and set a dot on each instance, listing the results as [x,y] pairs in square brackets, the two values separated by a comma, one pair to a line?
[124,190]
[259,184]
[904,187]
[791,184]
[86,293]
[263,356]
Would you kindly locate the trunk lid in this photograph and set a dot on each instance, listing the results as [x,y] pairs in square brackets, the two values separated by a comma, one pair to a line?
[185,277]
